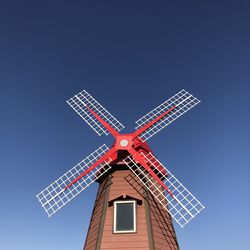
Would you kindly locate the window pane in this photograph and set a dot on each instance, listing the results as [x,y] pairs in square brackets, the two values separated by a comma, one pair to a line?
[124,216]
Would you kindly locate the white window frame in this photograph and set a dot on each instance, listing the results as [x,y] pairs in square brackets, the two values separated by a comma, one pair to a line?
[115,211]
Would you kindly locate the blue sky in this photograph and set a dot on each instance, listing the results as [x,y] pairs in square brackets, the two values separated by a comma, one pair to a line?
[130,55]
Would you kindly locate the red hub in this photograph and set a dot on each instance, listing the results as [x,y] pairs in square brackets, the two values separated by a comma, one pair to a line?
[124,142]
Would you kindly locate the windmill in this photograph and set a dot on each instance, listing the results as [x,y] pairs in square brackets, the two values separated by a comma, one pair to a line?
[126,166]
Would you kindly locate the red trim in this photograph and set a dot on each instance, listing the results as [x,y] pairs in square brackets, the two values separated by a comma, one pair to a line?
[105,124]
[145,127]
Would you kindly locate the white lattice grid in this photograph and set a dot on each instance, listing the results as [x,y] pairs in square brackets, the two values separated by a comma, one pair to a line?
[55,196]
[182,206]
[183,101]
[79,102]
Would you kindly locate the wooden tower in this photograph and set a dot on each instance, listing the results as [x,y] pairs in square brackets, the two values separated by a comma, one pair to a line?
[151,225]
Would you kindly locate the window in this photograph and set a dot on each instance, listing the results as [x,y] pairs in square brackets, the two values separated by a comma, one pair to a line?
[124,216]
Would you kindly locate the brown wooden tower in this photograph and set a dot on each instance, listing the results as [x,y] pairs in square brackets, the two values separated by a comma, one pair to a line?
[126,216]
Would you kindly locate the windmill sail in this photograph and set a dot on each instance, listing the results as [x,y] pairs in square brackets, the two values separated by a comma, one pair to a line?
[55,196]
[161,184]
[180,103]
[182,205]
[80,104]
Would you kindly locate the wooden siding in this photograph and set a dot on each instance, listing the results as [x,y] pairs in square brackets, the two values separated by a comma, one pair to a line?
[154,229]
[97,218]
[160,228]
[163,232]
[139,239]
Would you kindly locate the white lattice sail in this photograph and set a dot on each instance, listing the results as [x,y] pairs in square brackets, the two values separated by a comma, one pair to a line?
[182,205]
[183,101]
[55,196]
[81,101]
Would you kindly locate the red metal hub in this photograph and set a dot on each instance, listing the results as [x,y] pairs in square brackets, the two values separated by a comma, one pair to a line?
[124,142]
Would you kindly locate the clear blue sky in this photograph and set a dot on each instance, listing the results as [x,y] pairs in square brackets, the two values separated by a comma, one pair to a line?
[131,55]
